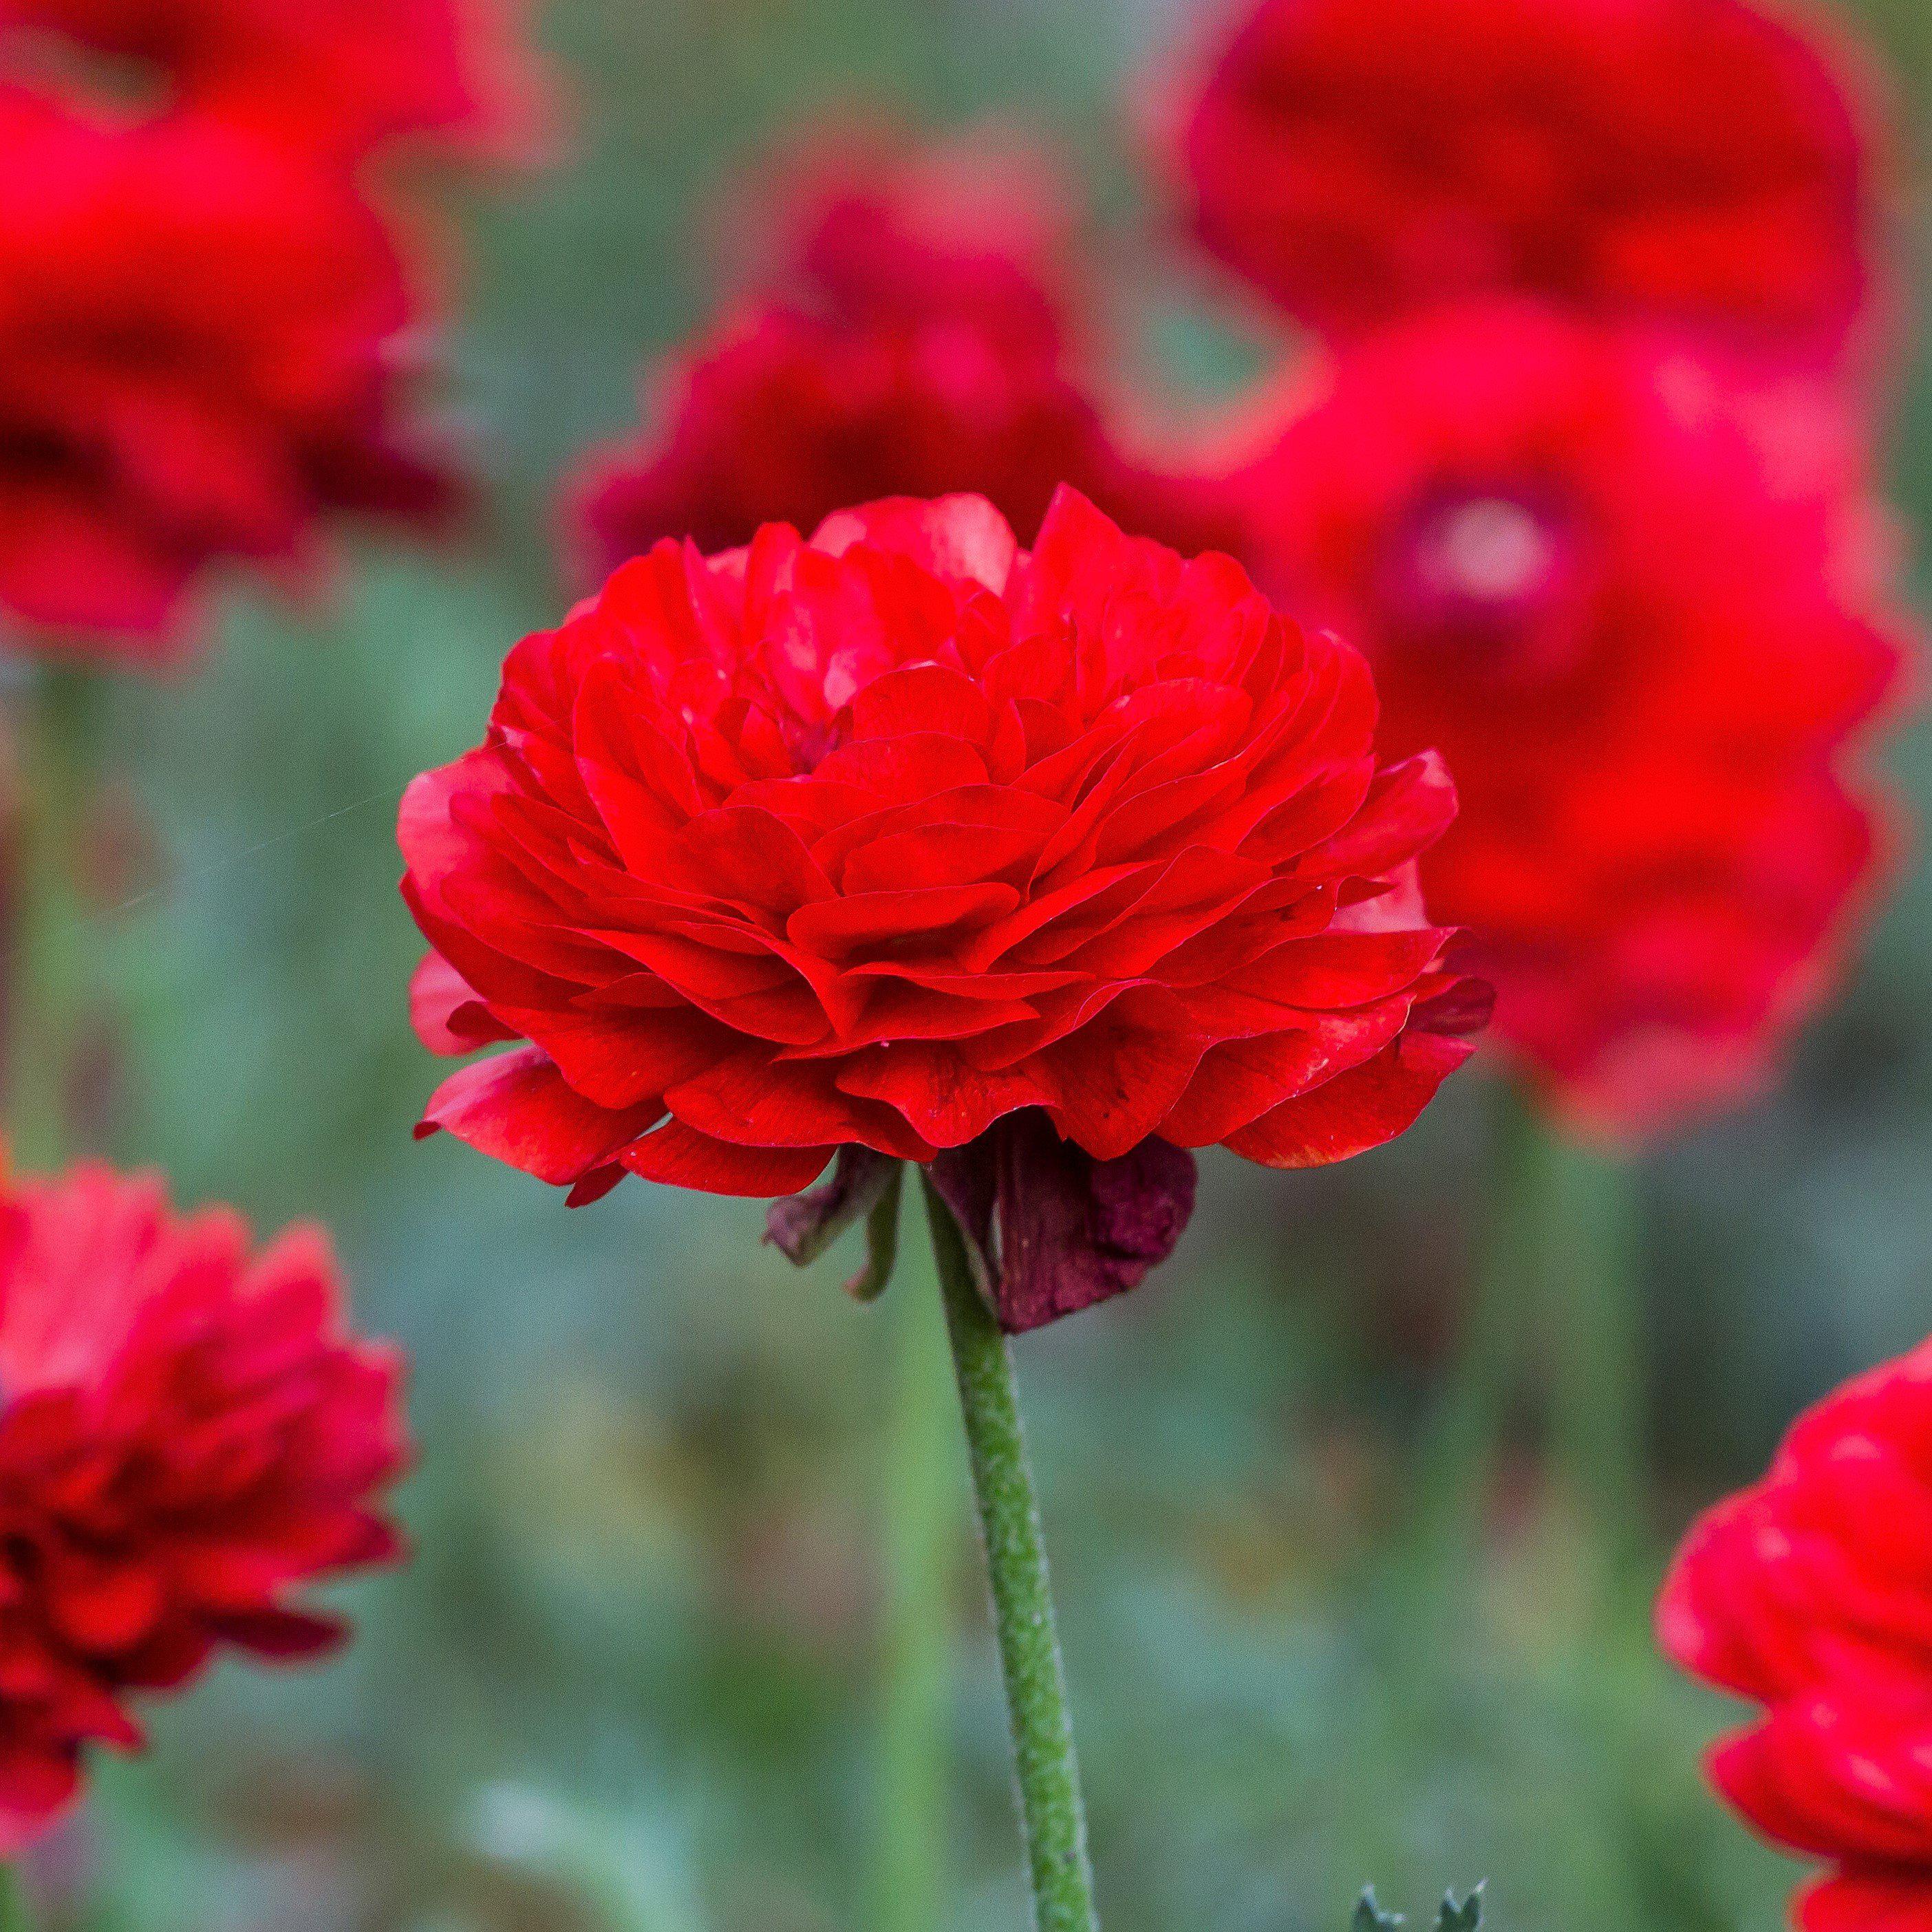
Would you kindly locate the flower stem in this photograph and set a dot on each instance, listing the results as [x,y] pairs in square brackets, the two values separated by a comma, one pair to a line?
[1596,1393]
[47,995]
[1558,1269]
[908,1875]
[1052,1814]
[1462,1443]
[14,1916]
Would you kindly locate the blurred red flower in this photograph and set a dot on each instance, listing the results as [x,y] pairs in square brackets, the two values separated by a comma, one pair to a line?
[1700,161]
[188,1434]
[1642,619]
[199,355]
[881,840]
[333,77]
[908,335]
[1810,1592]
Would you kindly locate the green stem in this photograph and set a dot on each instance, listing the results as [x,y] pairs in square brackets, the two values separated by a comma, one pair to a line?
[1464,1439]
[48,990]
[1596,1395]
[14,1916]
[1557,1268]
[1052,1814]
[908,1878]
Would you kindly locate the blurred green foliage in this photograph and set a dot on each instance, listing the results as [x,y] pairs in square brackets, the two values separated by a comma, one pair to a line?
[1462,1916]
[627,1685]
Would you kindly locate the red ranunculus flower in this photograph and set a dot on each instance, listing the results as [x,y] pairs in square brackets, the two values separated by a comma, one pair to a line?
[904,840]
[907,335]
[1701,160]
[199,357]
[333,77]
[187,1435]
[1643,625]
[1811,1593]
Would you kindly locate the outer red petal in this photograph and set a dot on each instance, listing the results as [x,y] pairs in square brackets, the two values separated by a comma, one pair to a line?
[1358,1110]
[516,1107]
[680,1157]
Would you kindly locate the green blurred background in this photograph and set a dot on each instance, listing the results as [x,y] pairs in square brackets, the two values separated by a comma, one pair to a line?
[628,1684]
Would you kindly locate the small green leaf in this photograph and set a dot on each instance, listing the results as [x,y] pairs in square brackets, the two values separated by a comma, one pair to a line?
[1457,1915]
[1370,1917]
[882,1242]
[802,1226]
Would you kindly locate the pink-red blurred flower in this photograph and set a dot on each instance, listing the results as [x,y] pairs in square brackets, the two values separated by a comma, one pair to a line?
[200,356]
[1707,162]
[906,333]
[887,839]
[1643,619]
[325,77]
[188,1435]
[1810,1593]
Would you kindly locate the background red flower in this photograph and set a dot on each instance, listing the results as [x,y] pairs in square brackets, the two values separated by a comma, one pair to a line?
[1633,608]
[332,76]
[1701,161]
[880,840]
[1810,1592]
[907,331]
[187,1435]
[201,354]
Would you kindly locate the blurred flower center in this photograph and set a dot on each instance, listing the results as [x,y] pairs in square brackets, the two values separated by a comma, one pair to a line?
[1485,573]
[1490,552]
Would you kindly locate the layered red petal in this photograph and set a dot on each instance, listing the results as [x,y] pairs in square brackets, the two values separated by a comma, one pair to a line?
[189,1436]
[1808,1593]
[1709,165]
[875,841]
[1643,610]
[199,334]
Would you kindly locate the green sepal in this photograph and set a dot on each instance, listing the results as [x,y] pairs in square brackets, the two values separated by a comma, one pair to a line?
[882,1241]
[802,1226]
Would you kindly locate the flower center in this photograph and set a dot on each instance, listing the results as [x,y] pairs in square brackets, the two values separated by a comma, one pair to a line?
[1490,552]
[1488,573]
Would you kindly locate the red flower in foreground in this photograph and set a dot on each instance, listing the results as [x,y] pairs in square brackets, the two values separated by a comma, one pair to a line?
[198,358]
[904,840]
[909,337]
[187,1435]
[1696,160]
[1644,633]
[1810,1593]
[333,76]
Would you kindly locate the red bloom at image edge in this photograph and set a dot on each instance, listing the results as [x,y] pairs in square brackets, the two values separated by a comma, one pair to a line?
[907,330]
[904,840]
[328,76]
[1706,162]
[1810,1594]
[200,359]
[1646,613]
[187,1435]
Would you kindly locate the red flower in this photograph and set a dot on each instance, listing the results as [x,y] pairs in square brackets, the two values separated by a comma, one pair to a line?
[908,337]
[186,1436]
[198,358]
[879,840]
[333,76]
[1700,161]
[1643,630]
[1811,1593]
